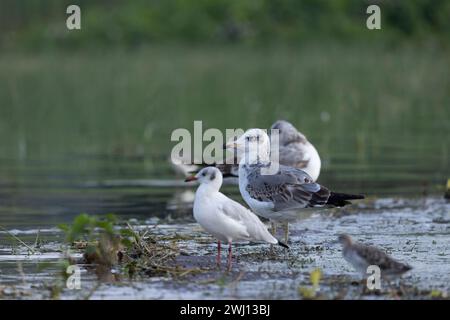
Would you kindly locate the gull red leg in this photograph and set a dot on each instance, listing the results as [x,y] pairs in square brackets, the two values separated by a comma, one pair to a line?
[230,256]
[218,253]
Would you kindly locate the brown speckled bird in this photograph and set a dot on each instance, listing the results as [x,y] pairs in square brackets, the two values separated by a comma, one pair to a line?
[360,256]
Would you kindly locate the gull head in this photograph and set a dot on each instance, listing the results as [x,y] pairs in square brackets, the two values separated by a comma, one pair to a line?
[345,240]
[210,176]
[254,142]
[287,132]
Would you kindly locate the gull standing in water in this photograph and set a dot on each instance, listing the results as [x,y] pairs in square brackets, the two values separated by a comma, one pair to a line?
[361,256]
[285,195]
[224,218]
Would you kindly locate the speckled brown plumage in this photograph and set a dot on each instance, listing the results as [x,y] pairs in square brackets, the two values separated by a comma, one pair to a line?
[361,256]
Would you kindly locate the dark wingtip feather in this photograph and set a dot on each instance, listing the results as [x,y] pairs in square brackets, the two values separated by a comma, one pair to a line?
[407,267]
[341,199]
[224,168]
[350,196]
[229,175]
[284,245]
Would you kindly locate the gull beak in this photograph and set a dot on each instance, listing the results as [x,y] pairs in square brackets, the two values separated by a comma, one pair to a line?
[190,178]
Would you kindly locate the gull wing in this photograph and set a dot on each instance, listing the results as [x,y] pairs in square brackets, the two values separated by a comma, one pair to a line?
[289,188]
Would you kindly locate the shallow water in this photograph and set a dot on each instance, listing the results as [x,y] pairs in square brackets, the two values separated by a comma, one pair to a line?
[416,231]
[36,196]
[90,133]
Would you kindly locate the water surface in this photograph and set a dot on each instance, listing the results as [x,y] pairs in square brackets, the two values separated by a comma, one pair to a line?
[90,132]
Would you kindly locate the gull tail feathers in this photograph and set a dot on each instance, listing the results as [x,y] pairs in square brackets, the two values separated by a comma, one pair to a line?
[406,268]
[284,245]
[341,199]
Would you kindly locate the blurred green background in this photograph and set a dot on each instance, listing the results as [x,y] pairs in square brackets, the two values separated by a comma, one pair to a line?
[39,24]
[101,102]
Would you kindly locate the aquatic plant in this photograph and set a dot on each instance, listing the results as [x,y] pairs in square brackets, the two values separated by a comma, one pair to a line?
[30,249]
[114,250]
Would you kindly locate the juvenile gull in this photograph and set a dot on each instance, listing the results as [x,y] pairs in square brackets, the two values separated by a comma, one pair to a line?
[294,151]
[223,217]
[287,194]
[360,256]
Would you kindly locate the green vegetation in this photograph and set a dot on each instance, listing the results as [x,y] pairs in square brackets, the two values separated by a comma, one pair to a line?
[375,103]
[108,245]
[84,227]
[373,111]
[41,24]
[79,107]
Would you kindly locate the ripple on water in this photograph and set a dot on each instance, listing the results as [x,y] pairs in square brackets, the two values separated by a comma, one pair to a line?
[414,231]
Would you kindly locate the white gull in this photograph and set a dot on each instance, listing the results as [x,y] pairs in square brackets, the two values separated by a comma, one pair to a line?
[287,194]
[225,219]
[294,151]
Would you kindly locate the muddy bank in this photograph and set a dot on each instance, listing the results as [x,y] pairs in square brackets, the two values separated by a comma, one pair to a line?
[414,231]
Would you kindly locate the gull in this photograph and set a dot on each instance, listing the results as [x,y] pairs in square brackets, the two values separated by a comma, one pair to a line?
[285,195]
[361,256]
[294,151]
[181,167]
[225,219]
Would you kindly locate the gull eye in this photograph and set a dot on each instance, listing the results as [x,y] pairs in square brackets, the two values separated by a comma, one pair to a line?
[247,138]
[204,173]
[257,138]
